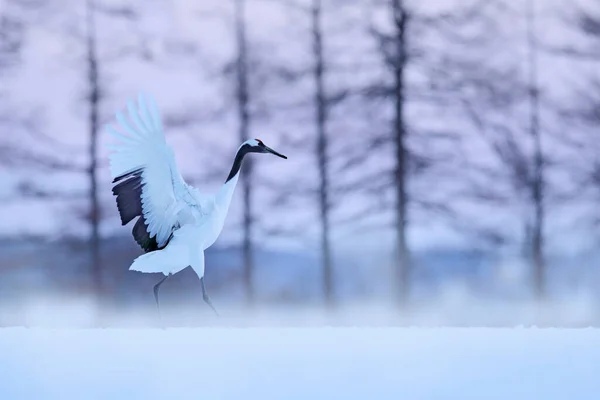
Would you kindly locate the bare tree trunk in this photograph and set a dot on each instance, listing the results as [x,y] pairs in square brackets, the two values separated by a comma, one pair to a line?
[94,100]
[244,127]
[537,195]
[400,133]
[321,121]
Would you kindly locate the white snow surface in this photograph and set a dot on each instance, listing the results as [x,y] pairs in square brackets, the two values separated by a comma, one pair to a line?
[300,363]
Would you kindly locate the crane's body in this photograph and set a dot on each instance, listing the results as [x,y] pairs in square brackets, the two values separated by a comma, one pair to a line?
[198,231]
[175,221]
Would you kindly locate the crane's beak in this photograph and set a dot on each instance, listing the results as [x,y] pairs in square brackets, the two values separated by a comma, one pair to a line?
[270,150]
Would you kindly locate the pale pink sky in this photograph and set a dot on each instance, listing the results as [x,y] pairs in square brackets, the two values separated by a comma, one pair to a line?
[52,78]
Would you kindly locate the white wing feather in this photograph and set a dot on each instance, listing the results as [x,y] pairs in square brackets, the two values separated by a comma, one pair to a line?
[142,145]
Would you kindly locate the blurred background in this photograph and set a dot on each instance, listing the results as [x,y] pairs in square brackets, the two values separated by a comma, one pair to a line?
[443,158]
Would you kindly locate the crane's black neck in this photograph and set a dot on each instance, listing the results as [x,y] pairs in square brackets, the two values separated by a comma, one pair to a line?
[237,162]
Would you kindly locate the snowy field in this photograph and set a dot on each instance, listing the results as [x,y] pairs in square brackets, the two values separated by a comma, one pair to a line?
[300,363]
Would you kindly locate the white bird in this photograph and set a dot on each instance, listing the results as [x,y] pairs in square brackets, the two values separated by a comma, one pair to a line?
[175,222]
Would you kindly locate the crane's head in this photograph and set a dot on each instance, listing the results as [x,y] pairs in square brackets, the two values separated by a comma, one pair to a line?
[257,146]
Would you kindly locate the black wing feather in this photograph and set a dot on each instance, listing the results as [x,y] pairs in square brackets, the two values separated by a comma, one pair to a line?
[129,194]
[142,237]
[128,190]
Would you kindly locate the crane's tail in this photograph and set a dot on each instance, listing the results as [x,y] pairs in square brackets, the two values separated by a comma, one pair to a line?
[155,262]
[172,258]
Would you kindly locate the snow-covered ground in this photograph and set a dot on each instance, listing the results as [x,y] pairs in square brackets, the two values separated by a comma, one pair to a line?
[300,363]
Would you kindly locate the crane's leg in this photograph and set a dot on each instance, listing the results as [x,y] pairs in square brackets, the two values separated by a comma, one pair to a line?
[156,288]
[206,297]
[197,257]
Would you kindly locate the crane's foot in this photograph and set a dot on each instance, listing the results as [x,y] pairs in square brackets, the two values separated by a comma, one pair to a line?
[156,289]
[207,301]
[206,298]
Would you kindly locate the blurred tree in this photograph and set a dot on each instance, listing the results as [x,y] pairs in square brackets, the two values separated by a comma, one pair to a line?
[243,101]
[96,89]
[423,84]
[399,42]
[93,98]
[11,34]
[15,16]
[582,112]
[316,70]
[321,105]
[501,94]
[78,30]
[537,173]
[396,53]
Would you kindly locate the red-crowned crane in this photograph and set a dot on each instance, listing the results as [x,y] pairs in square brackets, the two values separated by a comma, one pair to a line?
[175,221]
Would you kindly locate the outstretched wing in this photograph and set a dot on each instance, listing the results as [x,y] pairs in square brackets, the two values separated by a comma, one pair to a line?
[148,183]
